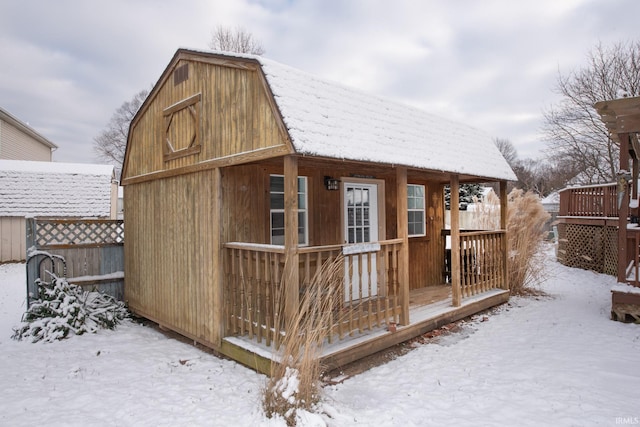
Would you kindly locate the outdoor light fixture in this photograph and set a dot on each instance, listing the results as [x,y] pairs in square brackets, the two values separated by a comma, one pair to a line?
[332,184]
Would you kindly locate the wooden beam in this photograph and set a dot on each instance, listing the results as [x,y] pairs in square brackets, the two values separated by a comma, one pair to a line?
[454,206]
[623,209]
[403,233]
[291,271]
[504,206]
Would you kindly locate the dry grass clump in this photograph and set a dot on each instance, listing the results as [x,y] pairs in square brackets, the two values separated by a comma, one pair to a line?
[295,382]
[525,227]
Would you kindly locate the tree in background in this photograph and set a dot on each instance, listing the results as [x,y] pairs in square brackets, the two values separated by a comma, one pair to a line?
[541,176]
[238,40]
[467,192]
[111,143]
[576,136]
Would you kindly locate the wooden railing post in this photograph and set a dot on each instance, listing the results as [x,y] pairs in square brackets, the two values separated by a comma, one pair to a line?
[623,209]
[455,240]
[291,270]
[504,205]
[403,233]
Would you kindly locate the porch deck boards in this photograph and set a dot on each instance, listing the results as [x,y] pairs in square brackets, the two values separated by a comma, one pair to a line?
[424,318]
[429,295]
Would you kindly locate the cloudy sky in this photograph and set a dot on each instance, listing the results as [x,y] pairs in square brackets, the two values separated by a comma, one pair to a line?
[67,65]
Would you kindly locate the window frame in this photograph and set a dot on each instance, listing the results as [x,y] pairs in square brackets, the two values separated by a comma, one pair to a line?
[415,209]
[304,211]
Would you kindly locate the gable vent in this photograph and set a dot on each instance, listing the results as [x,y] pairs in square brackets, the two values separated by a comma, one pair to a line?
[181,74]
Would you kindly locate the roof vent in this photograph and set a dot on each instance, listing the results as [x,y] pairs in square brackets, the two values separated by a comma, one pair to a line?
[181,74]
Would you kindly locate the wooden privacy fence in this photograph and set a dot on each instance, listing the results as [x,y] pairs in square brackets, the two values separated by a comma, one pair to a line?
[254,290]
[88,252]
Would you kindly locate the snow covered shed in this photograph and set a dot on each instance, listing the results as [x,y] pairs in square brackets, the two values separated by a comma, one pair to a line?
[243,176]
[50,189]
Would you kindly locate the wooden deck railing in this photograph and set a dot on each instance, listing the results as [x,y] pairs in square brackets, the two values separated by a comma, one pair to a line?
[254,288]
[589,201]
[633,256]
[482,263]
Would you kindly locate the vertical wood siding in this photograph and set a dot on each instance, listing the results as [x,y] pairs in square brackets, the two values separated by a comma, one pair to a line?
[170,247]
[234,116]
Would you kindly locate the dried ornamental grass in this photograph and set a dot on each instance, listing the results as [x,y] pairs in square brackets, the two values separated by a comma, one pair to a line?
[525,229]
[294,383]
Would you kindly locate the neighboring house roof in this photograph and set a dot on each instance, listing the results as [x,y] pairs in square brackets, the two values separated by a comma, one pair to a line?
[55,189]
[7,117]
[551,203]
[327,119]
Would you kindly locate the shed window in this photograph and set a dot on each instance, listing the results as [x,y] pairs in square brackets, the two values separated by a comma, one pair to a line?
[276,191]
[415,211]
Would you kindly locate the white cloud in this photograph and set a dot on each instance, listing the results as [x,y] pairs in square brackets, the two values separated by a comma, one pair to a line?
[67,65]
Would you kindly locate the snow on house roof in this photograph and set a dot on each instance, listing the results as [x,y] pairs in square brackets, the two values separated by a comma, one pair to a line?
[328,119]
[30,188]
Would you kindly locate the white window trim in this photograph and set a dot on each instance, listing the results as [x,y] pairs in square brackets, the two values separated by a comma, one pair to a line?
[305,211]
[423,210]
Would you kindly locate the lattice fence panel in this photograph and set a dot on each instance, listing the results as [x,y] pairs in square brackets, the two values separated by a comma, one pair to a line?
[588,247]
[610,251]
[80,232]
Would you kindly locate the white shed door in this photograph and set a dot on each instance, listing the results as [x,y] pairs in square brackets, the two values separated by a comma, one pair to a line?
[361,226]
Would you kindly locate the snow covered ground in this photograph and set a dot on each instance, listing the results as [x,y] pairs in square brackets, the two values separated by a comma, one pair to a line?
[549,361]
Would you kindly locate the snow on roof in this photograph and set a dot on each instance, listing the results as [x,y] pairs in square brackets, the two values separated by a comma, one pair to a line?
[553,198]
[331,120]
[30,188]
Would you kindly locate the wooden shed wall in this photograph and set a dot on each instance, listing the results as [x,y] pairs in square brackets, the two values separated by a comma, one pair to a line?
[172,253]
[234,114]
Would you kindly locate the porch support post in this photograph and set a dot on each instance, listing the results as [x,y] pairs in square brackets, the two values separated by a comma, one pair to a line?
[454,206]
[504,205]
[291,271]
[403,233]
[214,294]
[623,208]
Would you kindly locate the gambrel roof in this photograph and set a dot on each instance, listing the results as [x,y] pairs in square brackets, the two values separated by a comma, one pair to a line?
[30,188]
[331,120]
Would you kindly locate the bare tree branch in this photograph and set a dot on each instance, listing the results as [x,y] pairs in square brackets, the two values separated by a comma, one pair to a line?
[238,40]
[575,134]
[111,143]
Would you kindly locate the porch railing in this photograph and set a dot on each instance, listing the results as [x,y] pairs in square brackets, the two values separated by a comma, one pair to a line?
[254,289]
[589,201]
[633,257]
[482,261]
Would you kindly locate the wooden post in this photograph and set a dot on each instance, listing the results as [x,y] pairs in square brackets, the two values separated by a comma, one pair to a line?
[454,205]
[215,296]
[623,209]
[291,271]
[403,233]
[504,206]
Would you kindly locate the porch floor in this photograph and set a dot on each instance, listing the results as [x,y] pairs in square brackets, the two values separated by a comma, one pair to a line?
[430,308]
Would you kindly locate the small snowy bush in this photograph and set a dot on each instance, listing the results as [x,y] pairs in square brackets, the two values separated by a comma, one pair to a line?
[62,308]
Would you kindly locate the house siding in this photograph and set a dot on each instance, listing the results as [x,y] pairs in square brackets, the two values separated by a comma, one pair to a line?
[16,145]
